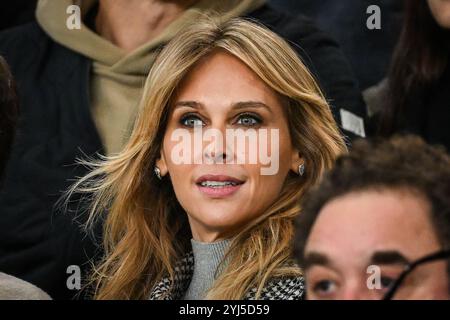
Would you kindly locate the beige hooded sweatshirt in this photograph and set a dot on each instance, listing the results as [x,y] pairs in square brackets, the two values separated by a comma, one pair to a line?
[117,78]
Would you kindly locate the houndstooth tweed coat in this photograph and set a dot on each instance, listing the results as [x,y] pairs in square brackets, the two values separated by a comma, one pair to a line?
[279,289]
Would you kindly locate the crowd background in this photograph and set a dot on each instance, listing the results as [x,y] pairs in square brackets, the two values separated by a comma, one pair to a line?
[71,100]
[363,47]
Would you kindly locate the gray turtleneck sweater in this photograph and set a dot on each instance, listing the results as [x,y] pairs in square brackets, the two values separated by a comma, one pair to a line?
[207,259]
[12,288]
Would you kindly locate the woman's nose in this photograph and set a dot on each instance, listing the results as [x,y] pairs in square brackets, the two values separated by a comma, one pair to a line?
[216,156]
[216,149]
[218,152]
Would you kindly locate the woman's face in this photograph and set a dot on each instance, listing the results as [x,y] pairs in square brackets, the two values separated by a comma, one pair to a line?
[227,147]
[440,9]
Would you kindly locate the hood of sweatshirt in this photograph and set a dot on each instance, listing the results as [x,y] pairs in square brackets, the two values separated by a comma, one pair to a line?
[52,17]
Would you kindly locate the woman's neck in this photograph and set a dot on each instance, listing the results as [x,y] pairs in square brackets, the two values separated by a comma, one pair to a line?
[208,258]
[130,24]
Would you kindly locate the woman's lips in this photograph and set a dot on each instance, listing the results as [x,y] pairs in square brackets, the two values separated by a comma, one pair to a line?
[218,186]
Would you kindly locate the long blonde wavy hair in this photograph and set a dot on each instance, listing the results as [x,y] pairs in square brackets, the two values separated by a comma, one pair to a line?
[145,230]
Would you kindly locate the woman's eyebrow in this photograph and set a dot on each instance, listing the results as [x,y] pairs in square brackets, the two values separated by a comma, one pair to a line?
[234,106]
[251,104]
[190,104]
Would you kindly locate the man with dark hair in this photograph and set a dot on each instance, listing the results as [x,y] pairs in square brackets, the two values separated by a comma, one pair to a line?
[383,208]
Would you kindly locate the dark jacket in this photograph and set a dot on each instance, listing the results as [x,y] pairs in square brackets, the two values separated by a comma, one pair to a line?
[38,242]
[369,51]
[287,288]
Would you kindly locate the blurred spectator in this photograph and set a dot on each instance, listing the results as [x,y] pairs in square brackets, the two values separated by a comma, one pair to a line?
[11,287]
[80,89]
[383,209]
[369,51]
[415,97]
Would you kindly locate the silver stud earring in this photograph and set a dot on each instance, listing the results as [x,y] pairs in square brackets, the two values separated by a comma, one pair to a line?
[157,173]
[301,169]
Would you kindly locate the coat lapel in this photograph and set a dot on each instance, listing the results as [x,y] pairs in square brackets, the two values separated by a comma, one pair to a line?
[289,288]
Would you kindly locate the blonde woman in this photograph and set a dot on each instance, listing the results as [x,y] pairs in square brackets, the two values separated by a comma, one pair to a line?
[193,221]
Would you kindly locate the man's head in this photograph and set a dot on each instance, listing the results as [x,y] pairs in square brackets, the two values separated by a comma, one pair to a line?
[8,113]
[383,206]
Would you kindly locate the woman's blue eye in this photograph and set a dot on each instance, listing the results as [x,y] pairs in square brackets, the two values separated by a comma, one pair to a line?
[249,120]
[192,121]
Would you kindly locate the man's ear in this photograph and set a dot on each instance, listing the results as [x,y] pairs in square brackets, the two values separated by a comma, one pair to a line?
[296,161]
[162,164]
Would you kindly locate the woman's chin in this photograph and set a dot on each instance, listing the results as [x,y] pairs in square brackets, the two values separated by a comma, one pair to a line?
[222,220]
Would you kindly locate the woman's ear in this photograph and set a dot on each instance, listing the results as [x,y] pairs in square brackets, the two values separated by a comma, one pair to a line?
[296,162]
[162,165]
